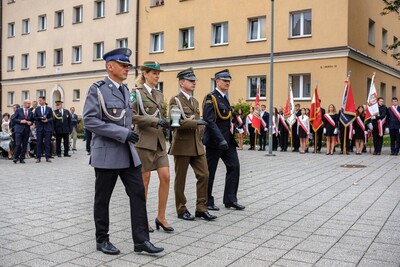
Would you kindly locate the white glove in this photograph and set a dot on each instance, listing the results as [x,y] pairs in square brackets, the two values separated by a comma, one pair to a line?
[365,132]
[324,130]
[369,126]
[335,131]
[386,130]
[354,131]
[265,129]
[373,117]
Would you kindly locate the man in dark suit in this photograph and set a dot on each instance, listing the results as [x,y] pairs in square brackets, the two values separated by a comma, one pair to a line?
[220,142]
[187,148]
[378,126]
[262,139]
[23,119]
[62,128]
[107,113]
[393,123]
[43,117]
[295,137]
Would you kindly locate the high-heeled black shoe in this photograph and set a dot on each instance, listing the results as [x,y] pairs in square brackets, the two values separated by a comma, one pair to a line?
[166,229]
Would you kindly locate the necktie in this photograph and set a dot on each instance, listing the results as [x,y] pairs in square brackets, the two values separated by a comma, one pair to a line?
[121,89]
[43,110]
[153,93]
[25,114]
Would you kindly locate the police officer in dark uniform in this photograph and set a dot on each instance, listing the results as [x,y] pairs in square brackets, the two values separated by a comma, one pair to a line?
[62,128]
[220,142]
[107,113]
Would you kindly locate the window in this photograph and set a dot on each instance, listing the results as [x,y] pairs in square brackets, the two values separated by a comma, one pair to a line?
[186,38]
[10,63]
[384,41]
[40,92]
[371,32]
[369,80]
[42,23]
[78,14]
[157,42]
[25,61]
[157,2]
[160,86]
[257,30]
[98,50]
[10,98]
[300,24]
[10,1]
[77,54]
[41,59]
[220,33]
[11,29]
[99,9]
[382,91]
[123,6]
[25,26]
[58,56]
[395,49]
[122,42]
[76,94]
[394,91]
[301,85]
[253,83]
[24,95]
[59,19]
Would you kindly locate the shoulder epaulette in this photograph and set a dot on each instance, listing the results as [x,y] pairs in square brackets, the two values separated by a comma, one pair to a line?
[99,83]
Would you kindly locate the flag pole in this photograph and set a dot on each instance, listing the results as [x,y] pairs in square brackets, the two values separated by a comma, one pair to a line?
[271,80]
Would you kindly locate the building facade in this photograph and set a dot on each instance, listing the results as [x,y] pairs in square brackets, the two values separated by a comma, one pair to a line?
[55,48]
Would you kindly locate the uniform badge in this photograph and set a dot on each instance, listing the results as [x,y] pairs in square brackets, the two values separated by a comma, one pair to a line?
[133,96]
[147,109]
[114,111]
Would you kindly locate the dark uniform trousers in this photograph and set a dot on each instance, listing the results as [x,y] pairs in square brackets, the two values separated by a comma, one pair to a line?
[105,182]
[181,167]
[344,138]
[65,138]
[283,139]
[252,134]
[231,161]
[377,139]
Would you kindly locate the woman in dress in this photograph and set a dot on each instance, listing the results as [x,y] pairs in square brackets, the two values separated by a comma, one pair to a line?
[303,130]
[240,128]
[275,128]
[330,121]
[149,117]
[359,130]
[250,130]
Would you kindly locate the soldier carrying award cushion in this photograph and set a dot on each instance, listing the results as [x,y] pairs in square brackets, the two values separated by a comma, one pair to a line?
[187,148]
[62,128]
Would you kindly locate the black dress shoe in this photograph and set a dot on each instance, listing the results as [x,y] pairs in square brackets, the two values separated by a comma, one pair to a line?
[15,160]
[148,247]
[67,156]
[59,156]
[38,161]
[107,248]
[212,207]
[22,161]
[151,230]
[234,205]
[205,215]
[186,216]
[48,160]
[166,229]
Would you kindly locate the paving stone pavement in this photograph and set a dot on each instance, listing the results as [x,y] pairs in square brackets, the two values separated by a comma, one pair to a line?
[301,210]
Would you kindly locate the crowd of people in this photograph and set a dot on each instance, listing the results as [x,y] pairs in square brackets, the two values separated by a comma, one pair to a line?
[35,130]
[355,137]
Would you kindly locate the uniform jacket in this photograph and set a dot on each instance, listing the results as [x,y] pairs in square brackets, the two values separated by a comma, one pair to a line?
[217,129]
[43,126]
[19,116]
[265,117]
[186,140]
[109,149]
[392,122]
[62,122]
[150,133]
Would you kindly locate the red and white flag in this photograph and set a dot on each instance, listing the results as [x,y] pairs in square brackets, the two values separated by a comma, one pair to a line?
[289,112]
[372,101]
[256,123]
[315,111]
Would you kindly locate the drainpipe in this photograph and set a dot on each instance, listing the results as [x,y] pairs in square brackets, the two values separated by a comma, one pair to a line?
[137,40]
[1,54]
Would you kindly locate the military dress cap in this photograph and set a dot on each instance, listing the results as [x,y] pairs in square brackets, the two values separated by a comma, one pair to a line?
[187,74]
[59,102]
[151,65]
[223,75]
[120,55]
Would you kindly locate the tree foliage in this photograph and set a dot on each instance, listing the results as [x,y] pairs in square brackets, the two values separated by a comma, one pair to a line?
[392,6]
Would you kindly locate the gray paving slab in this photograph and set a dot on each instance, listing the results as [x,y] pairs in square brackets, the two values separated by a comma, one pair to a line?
[301,210]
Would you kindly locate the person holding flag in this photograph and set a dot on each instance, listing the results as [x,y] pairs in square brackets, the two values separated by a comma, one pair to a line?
[240,128]
[303,130]
[250,129]
[316,115]
[378,122]
[359,130]
[347,115]
[393,116]
[330,130]
[264,116]
[290,115]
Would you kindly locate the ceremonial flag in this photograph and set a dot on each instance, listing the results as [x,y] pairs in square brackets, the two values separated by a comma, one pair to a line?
[256,123]
[348,109]
[289,112]
[315,111]
[372,101]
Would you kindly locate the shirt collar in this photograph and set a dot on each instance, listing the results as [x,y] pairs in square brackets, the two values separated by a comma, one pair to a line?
[114,82]
[186,95]
[148,88]
[219,91]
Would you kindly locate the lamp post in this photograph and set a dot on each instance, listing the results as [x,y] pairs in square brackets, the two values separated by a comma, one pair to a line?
[271,82]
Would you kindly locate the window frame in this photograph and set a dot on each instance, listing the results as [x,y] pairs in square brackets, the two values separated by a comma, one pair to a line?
[160,46]
[41,58]
[76,95]
[11,63]
[301,86]
[59,19]
[189,31]
[371,32]
[384,40]
[26,26]
[98,50]
[42,22]
[263,85]
[224,26]
[122,6]
[58,57]
[395,50]
[24,95]
[99,9]
[122,42]
[261,22]
[77,54]
[154,3]
[11,29]
[40,92]
[25,61]
[10,98]
[302,33]
[77,14]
